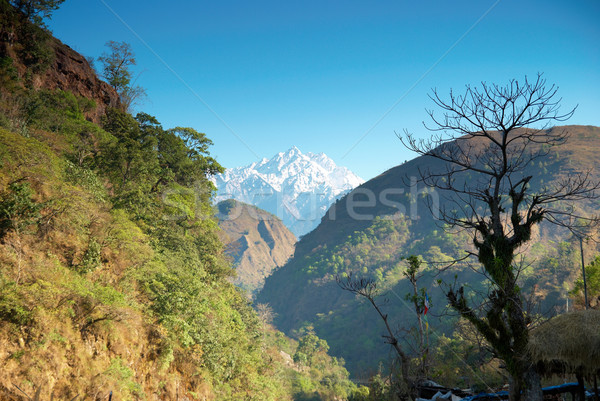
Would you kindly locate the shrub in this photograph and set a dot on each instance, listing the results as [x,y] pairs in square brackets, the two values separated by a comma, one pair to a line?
[18,210]
[91,258]
[12,308]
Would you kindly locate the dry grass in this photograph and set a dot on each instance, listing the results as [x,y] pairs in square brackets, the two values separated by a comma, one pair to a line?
[568,343]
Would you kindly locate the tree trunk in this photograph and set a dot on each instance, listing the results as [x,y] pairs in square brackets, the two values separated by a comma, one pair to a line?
[581,389]
[514,389]
[532,386]
[526,387]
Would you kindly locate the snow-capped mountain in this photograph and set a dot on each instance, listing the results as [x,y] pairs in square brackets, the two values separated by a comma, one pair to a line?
[298,188]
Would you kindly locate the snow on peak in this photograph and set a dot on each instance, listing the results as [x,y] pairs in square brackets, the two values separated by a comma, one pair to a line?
[296,187]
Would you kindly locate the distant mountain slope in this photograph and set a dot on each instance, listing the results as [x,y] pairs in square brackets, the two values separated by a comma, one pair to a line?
[369,231]
[257,241]
[298,188]
[580,153]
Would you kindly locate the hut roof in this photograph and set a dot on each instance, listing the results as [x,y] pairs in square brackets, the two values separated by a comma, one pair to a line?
[568,343]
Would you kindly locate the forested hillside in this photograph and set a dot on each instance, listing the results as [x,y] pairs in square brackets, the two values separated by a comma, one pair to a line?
[372,229]
[112,274]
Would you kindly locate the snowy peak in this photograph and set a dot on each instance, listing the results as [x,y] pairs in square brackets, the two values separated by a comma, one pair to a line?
[296,187]
[292,152]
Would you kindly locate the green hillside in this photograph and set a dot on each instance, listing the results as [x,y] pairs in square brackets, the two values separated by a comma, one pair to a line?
[372,240]
[112,274]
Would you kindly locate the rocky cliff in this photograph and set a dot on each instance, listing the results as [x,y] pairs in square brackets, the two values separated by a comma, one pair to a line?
[41,61]
[71,72]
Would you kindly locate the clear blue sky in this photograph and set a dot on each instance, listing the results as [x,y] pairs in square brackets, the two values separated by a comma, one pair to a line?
[259,77]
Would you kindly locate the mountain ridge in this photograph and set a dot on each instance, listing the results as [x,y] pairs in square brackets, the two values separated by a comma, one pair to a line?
[257,241]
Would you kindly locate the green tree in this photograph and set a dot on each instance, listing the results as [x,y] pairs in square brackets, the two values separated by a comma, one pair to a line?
[131,158]
[37,10]
[116,69]
[117,63]
[309,346]
[592,282]
[184,152]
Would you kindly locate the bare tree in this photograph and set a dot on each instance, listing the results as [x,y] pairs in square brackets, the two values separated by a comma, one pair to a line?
[265,314]
[486,139]
[367,288]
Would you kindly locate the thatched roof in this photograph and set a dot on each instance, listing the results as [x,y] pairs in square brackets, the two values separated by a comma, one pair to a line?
[568,343]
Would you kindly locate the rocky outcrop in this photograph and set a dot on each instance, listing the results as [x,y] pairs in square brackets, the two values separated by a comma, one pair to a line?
[71,72]
[44,62]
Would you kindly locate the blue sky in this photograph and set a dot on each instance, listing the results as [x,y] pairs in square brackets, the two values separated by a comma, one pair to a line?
[339,77]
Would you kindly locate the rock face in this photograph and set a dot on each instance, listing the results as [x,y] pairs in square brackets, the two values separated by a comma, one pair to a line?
[22,43]
[257,241]
[296,187]
[71,72]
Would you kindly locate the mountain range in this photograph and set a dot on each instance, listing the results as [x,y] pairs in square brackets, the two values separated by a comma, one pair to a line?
[296,187]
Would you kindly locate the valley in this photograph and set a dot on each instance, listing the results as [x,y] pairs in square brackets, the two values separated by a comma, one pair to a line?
[304,291]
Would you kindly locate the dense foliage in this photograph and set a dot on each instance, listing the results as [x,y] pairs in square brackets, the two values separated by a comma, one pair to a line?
[109,231]
[592,285]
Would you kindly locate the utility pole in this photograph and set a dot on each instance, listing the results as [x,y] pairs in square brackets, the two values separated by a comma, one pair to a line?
[583,270]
